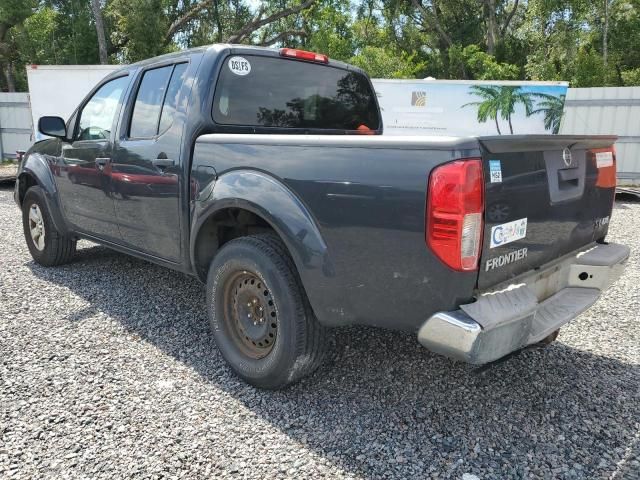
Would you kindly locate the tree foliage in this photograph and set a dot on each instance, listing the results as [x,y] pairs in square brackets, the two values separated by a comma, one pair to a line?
[586,43]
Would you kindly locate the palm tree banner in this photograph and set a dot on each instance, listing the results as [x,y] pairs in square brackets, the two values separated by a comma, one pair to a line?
[428,107]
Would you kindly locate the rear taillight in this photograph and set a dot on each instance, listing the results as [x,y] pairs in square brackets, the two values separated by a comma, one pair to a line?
[455,205]
[304,55]
[605,160]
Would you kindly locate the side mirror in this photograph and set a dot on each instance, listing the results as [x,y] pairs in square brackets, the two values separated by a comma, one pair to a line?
[52,126]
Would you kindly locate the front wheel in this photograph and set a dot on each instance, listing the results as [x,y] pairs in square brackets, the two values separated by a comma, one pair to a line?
[260,316]
[47,246]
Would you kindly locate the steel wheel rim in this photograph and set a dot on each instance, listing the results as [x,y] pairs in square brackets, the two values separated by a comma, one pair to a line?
[36,227]
[250,314]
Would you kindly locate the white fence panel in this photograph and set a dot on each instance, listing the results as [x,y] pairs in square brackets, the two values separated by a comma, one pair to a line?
[16,132]
[608,110]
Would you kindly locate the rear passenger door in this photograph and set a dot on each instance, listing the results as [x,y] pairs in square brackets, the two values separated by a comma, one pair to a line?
[146,168]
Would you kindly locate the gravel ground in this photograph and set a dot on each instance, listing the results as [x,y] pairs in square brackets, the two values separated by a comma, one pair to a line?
[8,171]
[108,371]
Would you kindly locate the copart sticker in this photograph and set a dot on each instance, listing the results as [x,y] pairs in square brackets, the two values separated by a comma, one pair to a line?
[239,66]
[495,171]
[508,232]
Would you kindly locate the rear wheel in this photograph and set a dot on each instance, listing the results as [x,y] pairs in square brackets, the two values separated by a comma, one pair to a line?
[47,246]
[261,319]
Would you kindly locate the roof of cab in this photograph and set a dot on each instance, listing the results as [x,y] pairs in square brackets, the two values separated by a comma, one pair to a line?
[218,47]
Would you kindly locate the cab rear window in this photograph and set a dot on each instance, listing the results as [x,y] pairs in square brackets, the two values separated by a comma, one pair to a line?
[280,93]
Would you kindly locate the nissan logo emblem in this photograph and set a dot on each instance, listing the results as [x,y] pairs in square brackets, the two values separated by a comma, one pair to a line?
[566,156]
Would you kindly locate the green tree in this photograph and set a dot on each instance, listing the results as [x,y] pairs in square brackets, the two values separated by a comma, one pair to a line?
[12,14]
[586,43]
[474,64]
[631,77]
[380,63]
[139,28]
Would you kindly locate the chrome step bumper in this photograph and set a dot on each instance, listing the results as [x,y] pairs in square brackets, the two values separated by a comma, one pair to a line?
[527,310]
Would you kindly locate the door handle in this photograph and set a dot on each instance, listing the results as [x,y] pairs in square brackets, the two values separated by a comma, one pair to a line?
[101,162]
[163,162]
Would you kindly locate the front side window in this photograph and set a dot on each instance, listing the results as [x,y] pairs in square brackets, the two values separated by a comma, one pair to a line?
[275,92]
[98,114]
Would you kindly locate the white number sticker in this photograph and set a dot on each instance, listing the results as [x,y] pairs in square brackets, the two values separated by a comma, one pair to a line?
[239,66]
[604,159]
[495,171]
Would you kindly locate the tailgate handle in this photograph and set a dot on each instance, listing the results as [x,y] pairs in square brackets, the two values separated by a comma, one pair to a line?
[569,175]
[565,184]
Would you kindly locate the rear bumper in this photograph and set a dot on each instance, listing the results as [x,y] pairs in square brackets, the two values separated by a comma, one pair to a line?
[527,310]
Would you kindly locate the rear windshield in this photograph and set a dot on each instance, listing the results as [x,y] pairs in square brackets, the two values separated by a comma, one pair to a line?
[274,92]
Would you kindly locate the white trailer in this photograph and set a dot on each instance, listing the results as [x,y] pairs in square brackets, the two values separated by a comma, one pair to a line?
[58,89]
[453,107]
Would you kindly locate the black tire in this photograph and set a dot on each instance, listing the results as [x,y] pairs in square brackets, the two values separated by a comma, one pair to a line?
[57,249]
[258,270]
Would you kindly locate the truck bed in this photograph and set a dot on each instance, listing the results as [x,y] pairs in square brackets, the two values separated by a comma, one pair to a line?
[366,195]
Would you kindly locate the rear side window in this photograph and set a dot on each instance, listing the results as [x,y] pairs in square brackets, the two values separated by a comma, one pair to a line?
[156,100]
[171,99]
[275,92]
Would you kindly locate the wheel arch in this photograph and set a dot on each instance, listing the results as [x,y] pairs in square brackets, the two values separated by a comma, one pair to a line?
[250,202]
[36,171]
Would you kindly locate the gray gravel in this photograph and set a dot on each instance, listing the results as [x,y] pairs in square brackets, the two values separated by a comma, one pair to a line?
[107,370]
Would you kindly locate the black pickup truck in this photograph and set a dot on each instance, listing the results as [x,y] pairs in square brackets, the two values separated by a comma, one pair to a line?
[263,173]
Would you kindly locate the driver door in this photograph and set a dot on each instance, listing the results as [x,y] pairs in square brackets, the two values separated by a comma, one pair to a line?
[84,183]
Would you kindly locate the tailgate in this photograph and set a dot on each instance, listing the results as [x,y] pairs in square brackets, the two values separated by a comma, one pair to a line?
[545,196]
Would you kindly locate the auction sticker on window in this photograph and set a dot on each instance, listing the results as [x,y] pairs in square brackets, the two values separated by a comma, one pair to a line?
[508,232]
[239,66]
[495,171]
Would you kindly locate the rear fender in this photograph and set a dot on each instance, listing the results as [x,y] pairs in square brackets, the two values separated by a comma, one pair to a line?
[268,198]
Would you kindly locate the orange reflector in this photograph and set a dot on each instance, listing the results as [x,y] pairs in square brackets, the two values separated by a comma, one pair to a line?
[304,55]
[605,160]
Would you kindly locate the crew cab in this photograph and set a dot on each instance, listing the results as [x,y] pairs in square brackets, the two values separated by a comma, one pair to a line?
[264,173]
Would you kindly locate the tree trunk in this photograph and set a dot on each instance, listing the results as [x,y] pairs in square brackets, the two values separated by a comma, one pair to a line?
[605,35]
[102,41]
[497,125]
[492,26]
[510,126]
[216,12]
[509,18]
[9,76]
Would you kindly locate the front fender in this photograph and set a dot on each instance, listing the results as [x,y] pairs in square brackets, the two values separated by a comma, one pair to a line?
[268,198]
[38,165]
